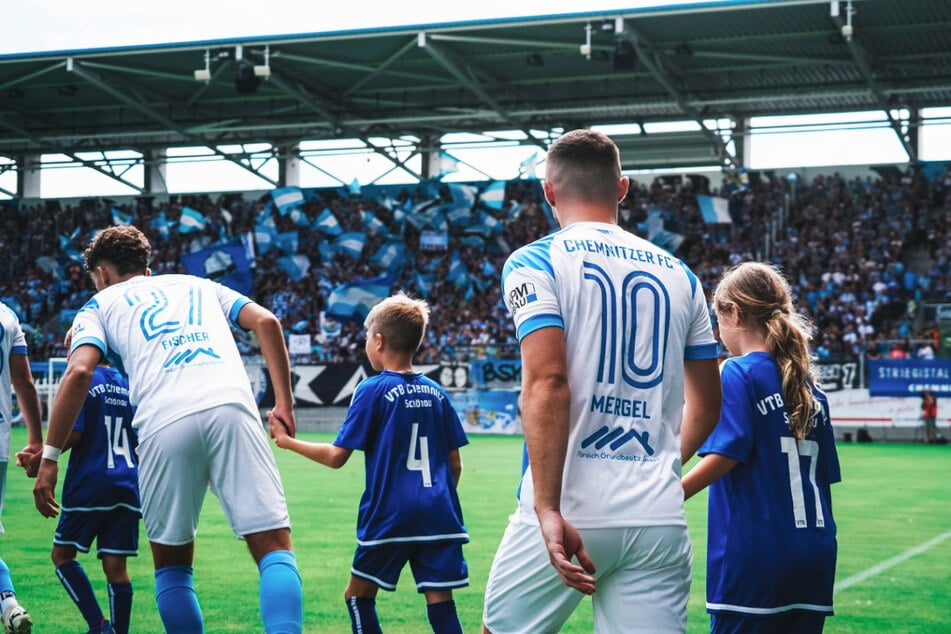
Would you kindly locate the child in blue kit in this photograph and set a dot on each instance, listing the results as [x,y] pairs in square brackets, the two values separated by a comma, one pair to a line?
[410,435]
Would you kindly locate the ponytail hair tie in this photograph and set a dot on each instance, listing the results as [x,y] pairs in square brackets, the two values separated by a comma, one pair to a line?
[776,312]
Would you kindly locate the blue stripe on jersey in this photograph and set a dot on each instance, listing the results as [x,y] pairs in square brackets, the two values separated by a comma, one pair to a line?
[534,256]
[537,322]
[702,351]
[89,341]
[18,350]
[236,308]
[694,282]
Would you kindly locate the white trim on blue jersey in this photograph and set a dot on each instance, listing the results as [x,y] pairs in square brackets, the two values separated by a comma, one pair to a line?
[632,314]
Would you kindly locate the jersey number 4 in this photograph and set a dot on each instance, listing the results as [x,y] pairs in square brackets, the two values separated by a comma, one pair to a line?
[794,449]
[117,439]
[421,463]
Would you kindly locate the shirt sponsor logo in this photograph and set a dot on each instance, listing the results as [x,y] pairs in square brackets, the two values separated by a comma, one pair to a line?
[606,441]
[521,296]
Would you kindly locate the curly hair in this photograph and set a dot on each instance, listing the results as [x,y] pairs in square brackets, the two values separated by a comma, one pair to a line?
[762,296]
[124,247]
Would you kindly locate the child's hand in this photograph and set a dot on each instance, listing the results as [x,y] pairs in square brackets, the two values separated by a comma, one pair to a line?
[278,430]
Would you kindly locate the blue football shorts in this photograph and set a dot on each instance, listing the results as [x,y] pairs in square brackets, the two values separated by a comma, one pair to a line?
[435,566]
[116,531]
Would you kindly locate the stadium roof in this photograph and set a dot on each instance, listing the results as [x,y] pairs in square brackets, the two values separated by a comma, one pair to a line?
[712,61]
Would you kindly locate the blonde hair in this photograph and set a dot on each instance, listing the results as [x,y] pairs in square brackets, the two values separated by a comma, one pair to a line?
[401,320]
[762,297]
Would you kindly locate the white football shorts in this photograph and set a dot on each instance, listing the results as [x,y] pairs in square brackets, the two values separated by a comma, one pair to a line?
[642,581]
[223,447]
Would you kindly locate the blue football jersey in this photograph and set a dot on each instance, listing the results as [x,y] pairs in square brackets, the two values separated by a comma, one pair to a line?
[406,426]
[771,541]
[103,466]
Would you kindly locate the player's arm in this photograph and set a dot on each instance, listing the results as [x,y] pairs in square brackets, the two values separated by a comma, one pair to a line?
[703,396]
[711,468]
[545,403]
[455,465]
[69,401]
[323,452]
[28,399]
[268,329]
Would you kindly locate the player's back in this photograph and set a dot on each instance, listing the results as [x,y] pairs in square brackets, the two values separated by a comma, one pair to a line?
[171,336]
[406,426]
[12,341]
[631,313]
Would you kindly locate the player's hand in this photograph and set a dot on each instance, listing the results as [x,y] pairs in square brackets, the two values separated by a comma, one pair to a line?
[29,458]
[564,543]
[281,419]
[44,491]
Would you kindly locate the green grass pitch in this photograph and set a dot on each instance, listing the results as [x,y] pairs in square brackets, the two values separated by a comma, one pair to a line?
[893,499]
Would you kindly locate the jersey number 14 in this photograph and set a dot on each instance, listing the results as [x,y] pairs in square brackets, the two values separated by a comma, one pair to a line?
[117,440]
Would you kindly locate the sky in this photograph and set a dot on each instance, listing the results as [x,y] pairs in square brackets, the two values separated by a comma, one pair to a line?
[57,25]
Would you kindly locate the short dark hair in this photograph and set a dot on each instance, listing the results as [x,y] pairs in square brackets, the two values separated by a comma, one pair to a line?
[584,164]
[124,247]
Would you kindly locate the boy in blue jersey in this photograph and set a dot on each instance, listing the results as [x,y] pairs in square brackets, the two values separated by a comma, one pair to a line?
[769,463]
[410,435]
[100,501]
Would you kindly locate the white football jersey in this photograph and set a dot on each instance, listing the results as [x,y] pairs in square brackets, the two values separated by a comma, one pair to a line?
[632,313]
[12,341]
[170,335]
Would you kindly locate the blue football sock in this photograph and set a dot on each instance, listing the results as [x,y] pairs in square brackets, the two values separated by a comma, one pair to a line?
[177,601]
[443,617]
[6,583]
[363,618]
[282,603]
[76,582]
[120,606]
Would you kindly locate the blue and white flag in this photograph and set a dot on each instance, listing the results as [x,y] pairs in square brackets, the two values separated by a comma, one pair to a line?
[287,199]
[161,225]
[327,223]
[463,193]
[373,224]
[390,256]
[424,216]
[191,220]
[458,213]
[296,266]
[527,168]
[287,241]
[458,272]
[264,236]
[225,263]
[714,209]
[354,301]
[424,284]
[354,187]
[121,218]
[65,242]
[447,163]
[299,218]
[493,196]
[351,244]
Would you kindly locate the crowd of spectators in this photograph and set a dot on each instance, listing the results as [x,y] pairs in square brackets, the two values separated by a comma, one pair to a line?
[862,255]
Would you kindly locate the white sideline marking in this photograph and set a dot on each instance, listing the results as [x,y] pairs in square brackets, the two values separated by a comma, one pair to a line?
[888,563]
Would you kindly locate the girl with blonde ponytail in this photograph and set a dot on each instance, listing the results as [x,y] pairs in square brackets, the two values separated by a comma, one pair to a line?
[769,464]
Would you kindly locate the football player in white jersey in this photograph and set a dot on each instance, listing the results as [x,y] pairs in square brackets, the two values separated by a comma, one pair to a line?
[619,388]
[196,418]
[15,373]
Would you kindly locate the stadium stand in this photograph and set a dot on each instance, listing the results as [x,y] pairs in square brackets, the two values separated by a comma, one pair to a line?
[863,255]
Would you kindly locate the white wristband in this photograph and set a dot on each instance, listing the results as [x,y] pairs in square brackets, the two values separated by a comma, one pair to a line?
[51,453]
